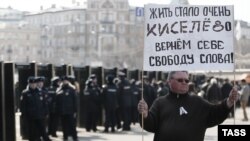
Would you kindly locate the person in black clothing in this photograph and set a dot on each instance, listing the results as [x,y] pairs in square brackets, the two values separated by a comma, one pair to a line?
[136,94]
[66,107]
[53,117]
[118,109]
[125,100]
[110,102]
[149,93]
[92,101]
[225,90]
[34,107]
[162,89]
[213,93]
[179,116]
[40,86]
[98,90]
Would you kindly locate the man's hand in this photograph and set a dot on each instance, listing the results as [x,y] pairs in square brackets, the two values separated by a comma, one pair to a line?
[233,97]
[143,108]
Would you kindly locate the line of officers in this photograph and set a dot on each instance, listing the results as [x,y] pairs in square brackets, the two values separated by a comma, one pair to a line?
[42,108]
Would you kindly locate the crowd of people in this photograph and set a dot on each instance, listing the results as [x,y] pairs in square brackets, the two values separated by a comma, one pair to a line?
[42,108]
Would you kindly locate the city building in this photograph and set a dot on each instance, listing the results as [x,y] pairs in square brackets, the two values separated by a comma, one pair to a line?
[18,40]
[242,47]
[62,35]
[102,33]
[108,33]
[115,34]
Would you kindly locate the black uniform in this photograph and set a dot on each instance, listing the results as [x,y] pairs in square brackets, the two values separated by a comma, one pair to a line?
[149,94]
[125,101]
[135,100]
[110,103]
[53,116]
[92,102]
[34,109]
[66,107]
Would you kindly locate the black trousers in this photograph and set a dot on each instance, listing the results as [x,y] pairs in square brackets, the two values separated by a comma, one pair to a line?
[37,129]
[110,118]
[91,120]
[52,123]
[126,114]
[69,126]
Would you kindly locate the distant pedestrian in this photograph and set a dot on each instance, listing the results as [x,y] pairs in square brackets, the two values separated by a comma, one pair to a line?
[225,90]
[213,93]
[244,97]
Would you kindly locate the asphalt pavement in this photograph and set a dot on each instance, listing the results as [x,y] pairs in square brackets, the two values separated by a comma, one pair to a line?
[136,133]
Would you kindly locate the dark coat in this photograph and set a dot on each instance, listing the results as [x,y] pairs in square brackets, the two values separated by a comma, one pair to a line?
[66,100]
[110,93]
[33,104]
[168,121]
[125,93]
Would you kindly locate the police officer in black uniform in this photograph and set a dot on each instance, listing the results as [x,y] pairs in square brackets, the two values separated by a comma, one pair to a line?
[149,93]
[40,86]
[53,116]
[92,100]
[66,107]
[34,107]
[135,100]
[125,100]
[110,103]
[98,91]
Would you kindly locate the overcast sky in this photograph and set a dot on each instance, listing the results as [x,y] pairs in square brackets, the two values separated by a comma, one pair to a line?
[241,7]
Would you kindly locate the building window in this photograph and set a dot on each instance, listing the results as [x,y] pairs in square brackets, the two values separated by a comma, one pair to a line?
[122,5]
[107,4]
[107,16]
[121,17]
[82,29]
[122,29]
[82,40]
[27,37]
[92,5]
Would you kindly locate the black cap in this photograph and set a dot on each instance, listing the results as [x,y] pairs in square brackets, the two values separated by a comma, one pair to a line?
[56,78]
[120,73]
[65,77]
[71,77]
[132,81]
[92,76]
[32,79]
[40,79]
[110,78]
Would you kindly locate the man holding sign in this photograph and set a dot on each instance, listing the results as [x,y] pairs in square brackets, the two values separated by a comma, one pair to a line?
[180,116]
[183,37]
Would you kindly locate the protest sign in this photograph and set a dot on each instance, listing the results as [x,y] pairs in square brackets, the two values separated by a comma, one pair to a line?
[188,37]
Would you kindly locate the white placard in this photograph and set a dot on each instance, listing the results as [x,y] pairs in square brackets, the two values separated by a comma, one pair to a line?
[188,37]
